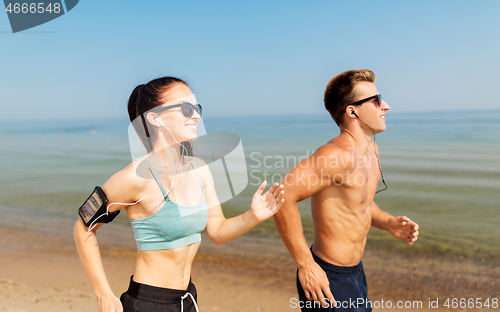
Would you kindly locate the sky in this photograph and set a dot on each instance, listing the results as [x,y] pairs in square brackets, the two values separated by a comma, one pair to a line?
[251,57]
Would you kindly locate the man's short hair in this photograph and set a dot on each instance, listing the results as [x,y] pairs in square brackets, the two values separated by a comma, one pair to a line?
[339,91]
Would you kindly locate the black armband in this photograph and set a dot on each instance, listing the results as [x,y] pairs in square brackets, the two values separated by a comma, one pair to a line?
[94,209]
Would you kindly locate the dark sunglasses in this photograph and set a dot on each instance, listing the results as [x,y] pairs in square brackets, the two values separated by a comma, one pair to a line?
[378,96]
[187,109]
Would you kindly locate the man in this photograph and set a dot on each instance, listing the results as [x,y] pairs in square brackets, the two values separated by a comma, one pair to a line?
[341,178]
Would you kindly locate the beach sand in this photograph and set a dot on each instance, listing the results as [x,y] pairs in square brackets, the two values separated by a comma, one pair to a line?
[42,272]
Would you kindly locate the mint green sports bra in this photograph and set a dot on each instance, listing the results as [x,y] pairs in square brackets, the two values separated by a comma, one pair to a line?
[172,226]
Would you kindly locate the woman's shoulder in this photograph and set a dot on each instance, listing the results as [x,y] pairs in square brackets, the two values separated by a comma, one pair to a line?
[125,185]
[131,171]
[201,168]
[196,161]
[129,176]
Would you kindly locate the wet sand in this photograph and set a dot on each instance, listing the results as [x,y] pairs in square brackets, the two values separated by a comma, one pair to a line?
[41,272]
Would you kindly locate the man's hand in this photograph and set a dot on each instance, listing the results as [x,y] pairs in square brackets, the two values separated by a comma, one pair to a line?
[404,229]
[315,284]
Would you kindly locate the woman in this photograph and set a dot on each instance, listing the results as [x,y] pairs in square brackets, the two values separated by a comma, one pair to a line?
[170,198]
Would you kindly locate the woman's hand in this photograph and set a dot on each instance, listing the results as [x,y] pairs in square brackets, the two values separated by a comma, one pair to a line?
[110,304]
[266,205]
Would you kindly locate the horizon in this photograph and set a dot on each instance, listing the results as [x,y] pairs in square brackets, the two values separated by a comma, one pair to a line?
[325,115]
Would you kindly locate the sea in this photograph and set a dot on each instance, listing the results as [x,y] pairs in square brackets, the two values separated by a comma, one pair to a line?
[442,170]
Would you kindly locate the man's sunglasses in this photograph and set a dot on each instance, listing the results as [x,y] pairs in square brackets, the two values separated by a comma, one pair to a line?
[187,109]
[378,97]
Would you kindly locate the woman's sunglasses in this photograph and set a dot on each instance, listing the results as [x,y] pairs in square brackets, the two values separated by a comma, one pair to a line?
[187,109]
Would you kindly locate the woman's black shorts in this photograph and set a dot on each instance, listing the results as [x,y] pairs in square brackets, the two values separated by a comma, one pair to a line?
[145,298]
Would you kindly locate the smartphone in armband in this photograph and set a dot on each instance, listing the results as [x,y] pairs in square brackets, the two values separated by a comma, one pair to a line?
[94,209]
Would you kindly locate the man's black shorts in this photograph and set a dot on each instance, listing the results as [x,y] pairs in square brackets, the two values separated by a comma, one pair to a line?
[347,284]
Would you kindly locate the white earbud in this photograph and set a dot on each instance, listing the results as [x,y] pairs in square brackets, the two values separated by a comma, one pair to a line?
[161,122]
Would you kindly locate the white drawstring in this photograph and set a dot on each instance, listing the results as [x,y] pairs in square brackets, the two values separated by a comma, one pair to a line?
[192,298]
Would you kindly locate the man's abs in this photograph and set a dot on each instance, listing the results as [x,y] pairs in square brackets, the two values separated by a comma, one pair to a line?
[340,231]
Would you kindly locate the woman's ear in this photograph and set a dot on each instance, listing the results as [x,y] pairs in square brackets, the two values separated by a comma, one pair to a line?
[153,119]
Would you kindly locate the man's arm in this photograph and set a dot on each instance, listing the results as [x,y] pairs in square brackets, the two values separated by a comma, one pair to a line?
[297,188]
[400,227]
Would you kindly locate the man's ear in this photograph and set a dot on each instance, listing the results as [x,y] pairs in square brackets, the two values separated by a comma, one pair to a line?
[351,113]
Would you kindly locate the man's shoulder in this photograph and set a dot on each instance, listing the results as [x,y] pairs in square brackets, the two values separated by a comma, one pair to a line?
[336,149]
[334,155]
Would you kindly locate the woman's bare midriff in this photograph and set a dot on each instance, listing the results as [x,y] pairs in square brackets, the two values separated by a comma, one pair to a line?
[168,268]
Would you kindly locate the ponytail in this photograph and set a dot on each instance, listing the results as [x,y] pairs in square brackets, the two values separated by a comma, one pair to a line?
[133,101]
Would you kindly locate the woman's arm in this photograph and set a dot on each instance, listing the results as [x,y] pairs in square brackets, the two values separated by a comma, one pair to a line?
[119,188]
[90,257]
[221,230]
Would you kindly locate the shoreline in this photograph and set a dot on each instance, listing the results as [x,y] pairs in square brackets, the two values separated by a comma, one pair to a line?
[42,272]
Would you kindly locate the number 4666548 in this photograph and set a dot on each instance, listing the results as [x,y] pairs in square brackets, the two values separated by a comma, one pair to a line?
[471,303]
[33,8]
